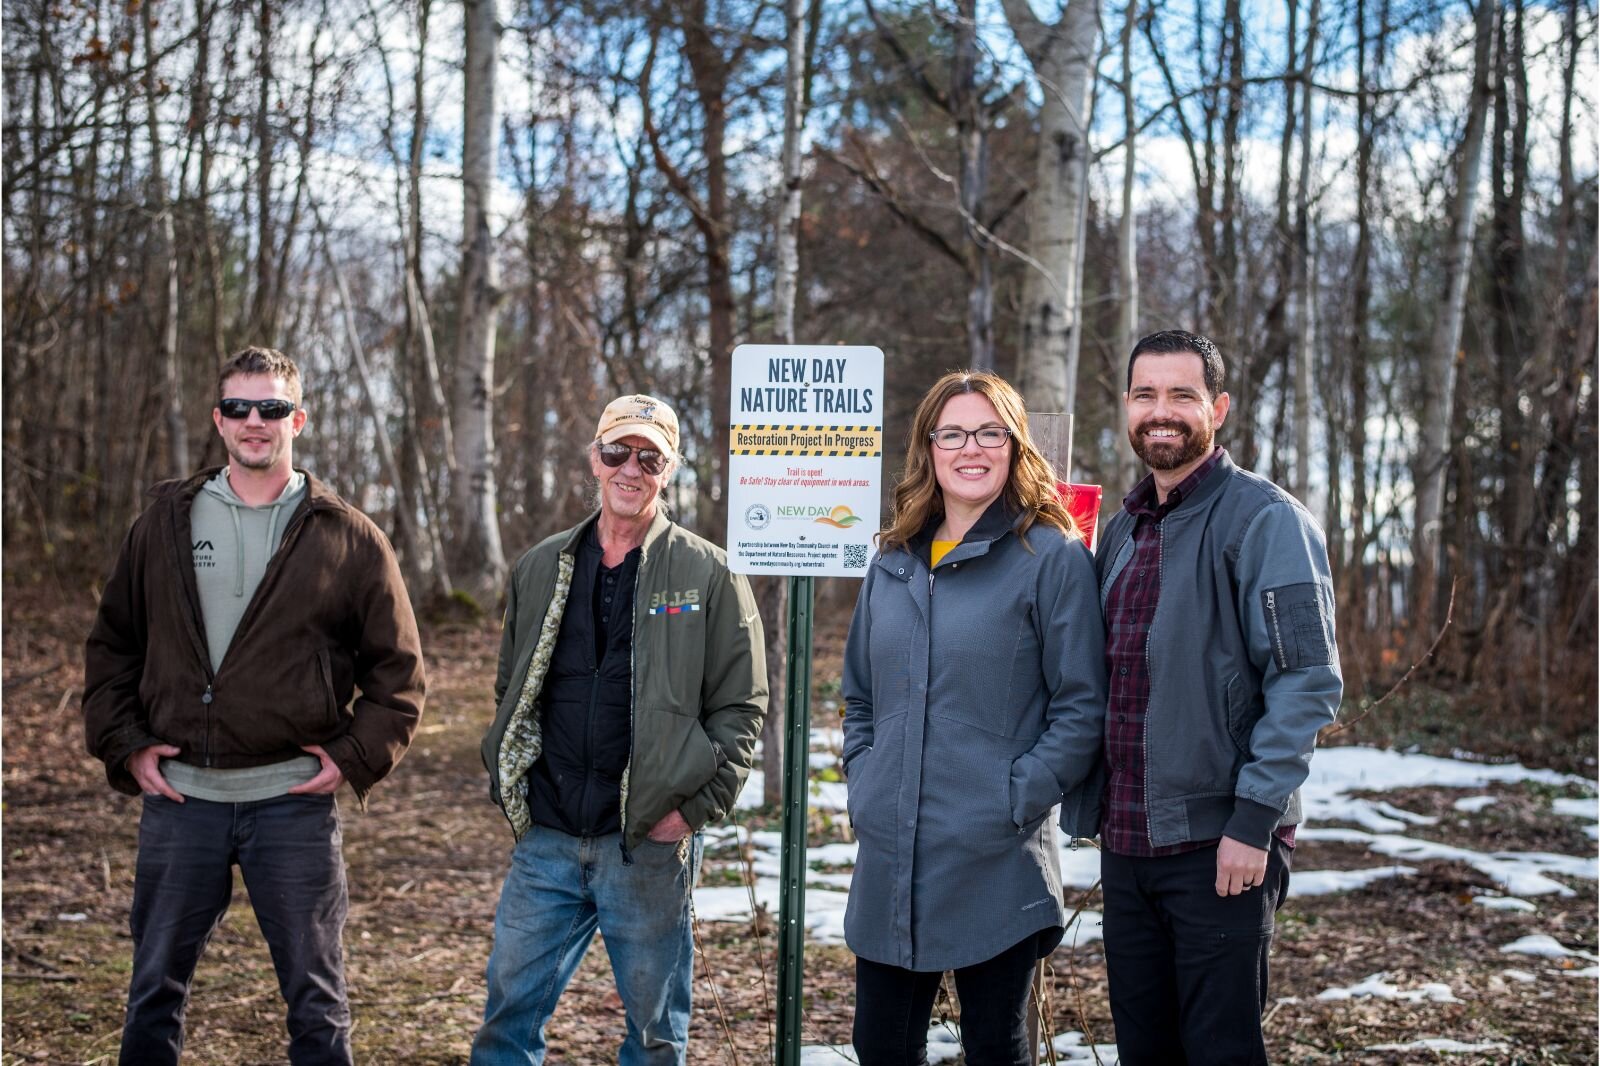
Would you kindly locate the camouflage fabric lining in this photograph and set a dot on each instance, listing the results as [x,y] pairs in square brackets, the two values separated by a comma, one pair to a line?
[523,742]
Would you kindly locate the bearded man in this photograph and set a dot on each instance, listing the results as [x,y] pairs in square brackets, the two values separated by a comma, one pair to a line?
[1222,665]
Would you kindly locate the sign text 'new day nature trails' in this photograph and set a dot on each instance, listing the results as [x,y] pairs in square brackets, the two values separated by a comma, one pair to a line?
[796,385]
[805,442]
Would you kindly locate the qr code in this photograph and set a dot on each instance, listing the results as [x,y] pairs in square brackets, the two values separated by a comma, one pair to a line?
[855,556]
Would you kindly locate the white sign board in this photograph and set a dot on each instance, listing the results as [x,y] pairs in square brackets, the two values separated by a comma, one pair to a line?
[805,444]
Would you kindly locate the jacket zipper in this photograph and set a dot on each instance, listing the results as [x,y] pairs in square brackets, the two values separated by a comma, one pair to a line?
[1161,563]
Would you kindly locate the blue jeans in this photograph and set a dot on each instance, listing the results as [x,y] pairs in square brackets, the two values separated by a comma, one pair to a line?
[562,888]
[288,849]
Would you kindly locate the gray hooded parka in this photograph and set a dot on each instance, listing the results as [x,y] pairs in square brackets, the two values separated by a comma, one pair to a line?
[975,699]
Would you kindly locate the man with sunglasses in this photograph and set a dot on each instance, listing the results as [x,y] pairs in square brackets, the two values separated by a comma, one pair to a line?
[631,689]
[247,606]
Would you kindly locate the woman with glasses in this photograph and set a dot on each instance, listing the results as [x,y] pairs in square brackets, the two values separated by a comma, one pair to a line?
[974,701]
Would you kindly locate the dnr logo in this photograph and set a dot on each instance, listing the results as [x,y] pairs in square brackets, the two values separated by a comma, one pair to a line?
[675,602]
[204,555]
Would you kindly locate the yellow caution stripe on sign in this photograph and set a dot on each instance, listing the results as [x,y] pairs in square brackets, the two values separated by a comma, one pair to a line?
[805,440]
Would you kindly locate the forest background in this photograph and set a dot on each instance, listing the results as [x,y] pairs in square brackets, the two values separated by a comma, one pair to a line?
[473,225]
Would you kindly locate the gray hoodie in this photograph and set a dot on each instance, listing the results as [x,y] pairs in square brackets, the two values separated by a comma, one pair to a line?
[233,543]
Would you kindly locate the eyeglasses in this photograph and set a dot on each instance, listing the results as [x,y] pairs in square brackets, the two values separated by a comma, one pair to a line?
[953,440]
[651,461]
[271,410]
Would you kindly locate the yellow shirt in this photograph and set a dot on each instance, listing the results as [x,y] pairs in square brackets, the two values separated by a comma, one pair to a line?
[941,548]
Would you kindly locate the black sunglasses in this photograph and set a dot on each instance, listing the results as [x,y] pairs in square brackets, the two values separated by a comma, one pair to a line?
[651,461]
[271,410]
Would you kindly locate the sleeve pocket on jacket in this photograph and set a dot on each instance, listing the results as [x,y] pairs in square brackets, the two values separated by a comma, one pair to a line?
[1299,625]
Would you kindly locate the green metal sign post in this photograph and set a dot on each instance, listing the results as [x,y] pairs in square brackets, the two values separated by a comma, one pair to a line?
[796,794]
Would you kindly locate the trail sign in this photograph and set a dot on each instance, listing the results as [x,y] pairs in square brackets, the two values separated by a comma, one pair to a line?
[805,459]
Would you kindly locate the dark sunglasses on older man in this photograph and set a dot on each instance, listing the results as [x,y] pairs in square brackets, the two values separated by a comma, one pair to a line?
[651,461]
[271,410]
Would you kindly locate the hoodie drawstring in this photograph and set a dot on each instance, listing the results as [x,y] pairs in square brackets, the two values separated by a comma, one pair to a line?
[238,547]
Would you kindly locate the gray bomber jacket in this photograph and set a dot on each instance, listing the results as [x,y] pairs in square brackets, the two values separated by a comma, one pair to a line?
[1243,665]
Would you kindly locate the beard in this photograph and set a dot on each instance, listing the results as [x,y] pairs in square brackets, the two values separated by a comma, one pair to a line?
[1191,443]
[261,461]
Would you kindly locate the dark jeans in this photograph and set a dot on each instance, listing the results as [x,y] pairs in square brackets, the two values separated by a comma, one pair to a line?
[1188,968]
[893,1007]
[288,849]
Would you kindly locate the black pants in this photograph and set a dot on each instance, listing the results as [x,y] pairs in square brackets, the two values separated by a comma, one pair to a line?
[1188,968]
[288,850]
[893,1007]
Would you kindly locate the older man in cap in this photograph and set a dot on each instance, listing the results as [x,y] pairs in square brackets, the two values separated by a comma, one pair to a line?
[631,689]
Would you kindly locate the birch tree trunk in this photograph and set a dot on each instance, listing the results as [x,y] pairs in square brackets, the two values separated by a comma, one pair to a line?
[1438,369]
[264,313]
[1306,270]
[1063,59]
[1127,465]
[480,563]
[773,592]
[171,370]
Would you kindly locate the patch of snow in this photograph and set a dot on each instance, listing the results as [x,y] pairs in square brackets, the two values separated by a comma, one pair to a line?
[1578,808]
[1337,772]
[1086,928]
[1505,903]
[1328,882]
[1587,971]
[1443,1045]
[1542,945]
[1520,976]
[832,855]
[1069,1047]
[1474,804]
[731,903]
[1518,873]
[1405,816]
[1080,866]
[1375,987]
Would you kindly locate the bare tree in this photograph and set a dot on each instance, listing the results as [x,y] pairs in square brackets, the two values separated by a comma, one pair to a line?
[1126,466]
[1437,372]
[480,562]
[161,211]
[1063,58]
[773,592]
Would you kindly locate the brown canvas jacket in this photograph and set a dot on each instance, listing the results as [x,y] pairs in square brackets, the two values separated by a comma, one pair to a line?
[330,616]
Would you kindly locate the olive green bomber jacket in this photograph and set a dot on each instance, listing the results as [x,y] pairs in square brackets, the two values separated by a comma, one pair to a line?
[699,678]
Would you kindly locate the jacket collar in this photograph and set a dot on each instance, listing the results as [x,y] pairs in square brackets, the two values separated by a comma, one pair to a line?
[998,520]
[185,489]
[658,528]
[1142,500]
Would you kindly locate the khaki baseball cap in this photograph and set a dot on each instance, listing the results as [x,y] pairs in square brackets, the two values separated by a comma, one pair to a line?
[639,416]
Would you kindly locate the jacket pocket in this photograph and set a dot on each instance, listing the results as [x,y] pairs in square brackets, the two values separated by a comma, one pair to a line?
[1242,713]
[330,702]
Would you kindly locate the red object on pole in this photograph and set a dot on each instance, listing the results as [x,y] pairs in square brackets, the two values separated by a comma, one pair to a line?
[1083,503]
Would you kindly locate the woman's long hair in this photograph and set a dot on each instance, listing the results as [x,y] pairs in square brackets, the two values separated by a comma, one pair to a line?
[1030,482]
